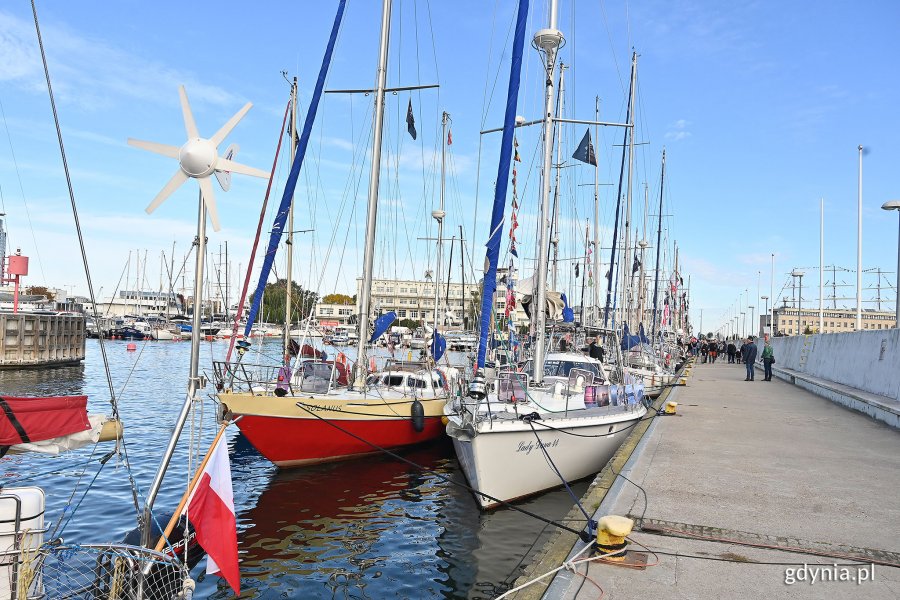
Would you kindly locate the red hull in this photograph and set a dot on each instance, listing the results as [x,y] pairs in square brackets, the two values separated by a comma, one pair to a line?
[292,442]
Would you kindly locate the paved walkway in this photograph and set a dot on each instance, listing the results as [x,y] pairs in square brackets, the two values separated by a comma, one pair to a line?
[758,462]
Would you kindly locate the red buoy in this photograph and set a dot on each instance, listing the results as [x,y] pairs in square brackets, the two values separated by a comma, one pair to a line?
[131,347]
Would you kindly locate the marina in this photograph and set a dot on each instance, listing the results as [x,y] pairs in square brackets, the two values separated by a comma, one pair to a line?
[274,331]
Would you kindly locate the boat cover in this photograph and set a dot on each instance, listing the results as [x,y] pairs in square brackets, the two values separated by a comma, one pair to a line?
[24,420]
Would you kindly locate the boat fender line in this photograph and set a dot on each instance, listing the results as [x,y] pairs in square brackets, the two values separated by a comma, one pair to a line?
[532,416]
[417,411]
[584,536]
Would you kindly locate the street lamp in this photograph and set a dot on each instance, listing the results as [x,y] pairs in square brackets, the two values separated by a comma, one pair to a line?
[752,316]
[766,298]
[798,273]
[895,205]
[743,324]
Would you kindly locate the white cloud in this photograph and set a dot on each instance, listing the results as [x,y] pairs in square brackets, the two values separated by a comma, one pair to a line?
[678,130]
[77,79]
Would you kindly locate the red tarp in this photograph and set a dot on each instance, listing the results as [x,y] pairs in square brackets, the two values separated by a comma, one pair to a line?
[41,418]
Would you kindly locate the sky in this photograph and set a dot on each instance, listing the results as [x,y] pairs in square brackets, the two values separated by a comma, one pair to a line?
[760,107]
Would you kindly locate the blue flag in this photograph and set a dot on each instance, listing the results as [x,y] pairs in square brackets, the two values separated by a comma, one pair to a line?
[585,151]
[410,121]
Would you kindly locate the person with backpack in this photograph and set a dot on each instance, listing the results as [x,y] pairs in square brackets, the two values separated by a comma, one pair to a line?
[768,357]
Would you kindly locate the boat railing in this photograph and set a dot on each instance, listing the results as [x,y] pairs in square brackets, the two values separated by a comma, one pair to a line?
[89,571]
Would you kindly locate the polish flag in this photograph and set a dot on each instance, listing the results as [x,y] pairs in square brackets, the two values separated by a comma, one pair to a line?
[211,511]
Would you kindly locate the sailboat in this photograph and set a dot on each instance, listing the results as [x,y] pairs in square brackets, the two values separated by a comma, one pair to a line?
[328,410]
[560,419]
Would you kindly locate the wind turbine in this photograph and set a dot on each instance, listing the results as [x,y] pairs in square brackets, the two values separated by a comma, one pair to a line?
[199,158]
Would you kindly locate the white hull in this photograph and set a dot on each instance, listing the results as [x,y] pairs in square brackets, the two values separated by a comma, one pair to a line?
[504,461]
[166,334]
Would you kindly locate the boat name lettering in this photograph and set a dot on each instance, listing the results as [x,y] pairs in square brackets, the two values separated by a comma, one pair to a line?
[334,407]
[527,448]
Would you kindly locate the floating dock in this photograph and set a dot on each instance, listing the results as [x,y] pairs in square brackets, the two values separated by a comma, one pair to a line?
[745,485]
[30,340]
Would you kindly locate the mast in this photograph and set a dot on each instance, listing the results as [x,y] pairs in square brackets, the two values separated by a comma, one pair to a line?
[290,231]
[365,298]
[193,378]
[662,181]
[554,240]
[549,40]
[462,272]
[642,244]
[596,217]
[439,217]
[625,267]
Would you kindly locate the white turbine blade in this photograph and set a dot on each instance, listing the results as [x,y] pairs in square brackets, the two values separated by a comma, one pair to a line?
[206,188]
[164,149]
[170,187]
[227,127]
[223,164]
[189,125]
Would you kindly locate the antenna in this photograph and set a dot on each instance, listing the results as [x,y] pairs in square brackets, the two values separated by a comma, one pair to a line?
[199,158]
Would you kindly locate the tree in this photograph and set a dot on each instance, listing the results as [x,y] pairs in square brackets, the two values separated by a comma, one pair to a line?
[339,299]
[303,302]
[40,290]
[408,323]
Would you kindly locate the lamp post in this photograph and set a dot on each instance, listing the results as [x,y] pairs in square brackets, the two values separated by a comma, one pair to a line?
[743,324]
[895,205]
[752,316]
[799,274]
[766,299]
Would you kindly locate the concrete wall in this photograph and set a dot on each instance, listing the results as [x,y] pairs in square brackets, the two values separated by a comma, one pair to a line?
[865,360]
[30,340]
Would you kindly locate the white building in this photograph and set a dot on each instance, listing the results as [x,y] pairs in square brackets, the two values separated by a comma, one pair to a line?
[415,300]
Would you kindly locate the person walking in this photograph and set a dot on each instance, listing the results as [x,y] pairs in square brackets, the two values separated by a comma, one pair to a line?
[748,354]
[768,357]
[732,350]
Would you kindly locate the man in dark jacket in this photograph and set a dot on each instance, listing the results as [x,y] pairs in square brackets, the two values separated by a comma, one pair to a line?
[748,352]
[732,350]
[595,349]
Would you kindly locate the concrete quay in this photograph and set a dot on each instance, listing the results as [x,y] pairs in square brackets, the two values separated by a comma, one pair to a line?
[761,465]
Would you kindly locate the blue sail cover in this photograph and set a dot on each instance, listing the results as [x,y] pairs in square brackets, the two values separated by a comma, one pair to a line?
[568,314]
[438,346]
[629,341]
[643,336]
[284,207]
[506,147]
[381,325]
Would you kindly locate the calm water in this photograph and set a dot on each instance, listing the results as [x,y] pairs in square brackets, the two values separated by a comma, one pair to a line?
[371,528]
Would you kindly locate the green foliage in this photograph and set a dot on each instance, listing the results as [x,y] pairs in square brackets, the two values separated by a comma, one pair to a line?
[339,299]
[408,323]
[303,302]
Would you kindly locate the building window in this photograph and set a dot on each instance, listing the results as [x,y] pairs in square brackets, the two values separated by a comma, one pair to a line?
[401,313]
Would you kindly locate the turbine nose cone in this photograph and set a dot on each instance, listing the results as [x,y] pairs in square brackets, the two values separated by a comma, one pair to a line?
[198,157]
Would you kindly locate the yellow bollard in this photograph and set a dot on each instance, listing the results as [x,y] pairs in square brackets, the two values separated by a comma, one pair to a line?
[671,406]
[611,533]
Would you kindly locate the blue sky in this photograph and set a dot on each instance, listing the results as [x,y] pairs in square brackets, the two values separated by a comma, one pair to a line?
[760,106]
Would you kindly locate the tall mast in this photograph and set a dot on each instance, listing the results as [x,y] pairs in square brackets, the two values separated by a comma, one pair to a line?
[625,267]
[439,217]
[549,40]
[554,240]
[462,272]
[662,181]
[288,291]
[193,377]
[596,217]
[365,298]
[642,244]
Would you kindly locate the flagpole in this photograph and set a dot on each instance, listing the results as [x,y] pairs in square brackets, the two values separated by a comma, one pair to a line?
[187,494]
